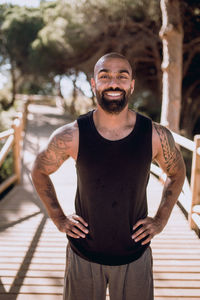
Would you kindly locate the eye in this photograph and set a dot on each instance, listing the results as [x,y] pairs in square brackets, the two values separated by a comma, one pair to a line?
[104,76]
[122,77]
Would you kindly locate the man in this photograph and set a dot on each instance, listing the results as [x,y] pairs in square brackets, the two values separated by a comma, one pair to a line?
[113,147]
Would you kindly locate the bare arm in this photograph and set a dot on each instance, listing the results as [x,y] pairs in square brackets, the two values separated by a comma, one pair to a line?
[170,160]
[62,144]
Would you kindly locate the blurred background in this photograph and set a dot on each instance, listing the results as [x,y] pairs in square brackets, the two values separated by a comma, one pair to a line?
[50,48]
[47,53]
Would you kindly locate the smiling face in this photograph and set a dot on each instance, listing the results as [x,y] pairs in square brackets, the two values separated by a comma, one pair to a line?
[112,84]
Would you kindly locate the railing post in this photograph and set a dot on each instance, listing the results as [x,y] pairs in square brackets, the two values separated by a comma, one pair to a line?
[17,126]
[195,180]
[25,112]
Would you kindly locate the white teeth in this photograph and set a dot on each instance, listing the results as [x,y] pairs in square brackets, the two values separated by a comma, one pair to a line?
[113,94]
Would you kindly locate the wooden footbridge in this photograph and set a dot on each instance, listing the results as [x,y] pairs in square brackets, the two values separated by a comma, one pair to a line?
[32,251]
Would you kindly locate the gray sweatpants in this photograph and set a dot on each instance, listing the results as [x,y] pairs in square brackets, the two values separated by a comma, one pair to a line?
[86,280]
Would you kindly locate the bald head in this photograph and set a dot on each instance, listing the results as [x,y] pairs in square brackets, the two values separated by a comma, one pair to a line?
[109,56]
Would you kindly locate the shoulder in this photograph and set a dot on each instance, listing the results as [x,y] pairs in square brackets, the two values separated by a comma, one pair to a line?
[66,132]
[65,138]
[161,133]
[162,139]
[166,154]
[61,145]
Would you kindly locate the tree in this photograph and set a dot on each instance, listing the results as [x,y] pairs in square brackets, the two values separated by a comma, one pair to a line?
[190,114]
[72,35]
[19,29]
[76,34]
[172,37]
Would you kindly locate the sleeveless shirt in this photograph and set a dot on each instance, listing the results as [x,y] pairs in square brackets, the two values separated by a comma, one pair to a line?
[112,177]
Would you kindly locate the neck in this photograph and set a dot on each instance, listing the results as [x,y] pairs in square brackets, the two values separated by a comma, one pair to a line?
[111,121]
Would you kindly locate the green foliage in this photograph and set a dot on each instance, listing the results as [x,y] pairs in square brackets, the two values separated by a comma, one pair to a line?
[64,35]
[20,28]
[6,169]
[7,116]
[74,28]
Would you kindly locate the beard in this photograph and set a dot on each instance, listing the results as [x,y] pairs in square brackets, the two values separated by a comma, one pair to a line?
[113,106]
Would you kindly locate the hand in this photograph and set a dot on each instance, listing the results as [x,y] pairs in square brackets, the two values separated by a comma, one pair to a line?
[72,225]
[149,228]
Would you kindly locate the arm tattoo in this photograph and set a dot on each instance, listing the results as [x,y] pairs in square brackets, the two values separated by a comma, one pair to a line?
[56,153]
[50,193]
[47,190]
[172,156]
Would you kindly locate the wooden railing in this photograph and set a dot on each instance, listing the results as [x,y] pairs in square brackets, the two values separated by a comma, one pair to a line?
[14,136]
[13,141]
[189,199]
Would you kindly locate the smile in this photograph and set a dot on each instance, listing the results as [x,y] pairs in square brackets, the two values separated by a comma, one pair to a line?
[113,94]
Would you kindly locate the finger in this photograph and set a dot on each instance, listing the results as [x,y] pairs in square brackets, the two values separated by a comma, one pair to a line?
[69,233]
[80,219]
[142,236]
[78,232]
[81,227]
[147,240]
[140,222]
[138,232]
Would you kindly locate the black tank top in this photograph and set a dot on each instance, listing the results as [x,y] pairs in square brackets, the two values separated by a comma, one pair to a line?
[112,177]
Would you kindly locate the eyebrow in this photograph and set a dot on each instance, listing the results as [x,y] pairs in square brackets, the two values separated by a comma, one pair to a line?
[120,71]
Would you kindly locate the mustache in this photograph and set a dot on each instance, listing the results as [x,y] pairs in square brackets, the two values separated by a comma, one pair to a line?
[113,90]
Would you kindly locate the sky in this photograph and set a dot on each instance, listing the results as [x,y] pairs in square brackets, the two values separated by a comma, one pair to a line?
[22,2]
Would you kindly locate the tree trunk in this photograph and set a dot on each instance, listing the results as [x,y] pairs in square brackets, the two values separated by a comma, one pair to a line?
[74,96]
[171,34]
[6,104]
[14,82]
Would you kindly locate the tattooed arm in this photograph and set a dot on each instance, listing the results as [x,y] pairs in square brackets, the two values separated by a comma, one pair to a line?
[62,144]
[169,158]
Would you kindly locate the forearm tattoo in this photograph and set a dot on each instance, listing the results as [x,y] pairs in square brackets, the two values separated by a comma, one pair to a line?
[171,154]
[50,193]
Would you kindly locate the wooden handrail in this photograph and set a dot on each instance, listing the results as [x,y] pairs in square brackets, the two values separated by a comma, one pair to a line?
[6,133]
[185,142]
[195,182]
[13,141]
[6,148]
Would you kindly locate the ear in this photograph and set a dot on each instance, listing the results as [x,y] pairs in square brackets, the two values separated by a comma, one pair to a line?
[93,85]
[132,85]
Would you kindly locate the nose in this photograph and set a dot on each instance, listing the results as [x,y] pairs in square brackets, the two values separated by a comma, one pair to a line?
[114,83]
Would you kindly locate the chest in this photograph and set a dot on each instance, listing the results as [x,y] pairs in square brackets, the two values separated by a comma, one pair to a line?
[115,134]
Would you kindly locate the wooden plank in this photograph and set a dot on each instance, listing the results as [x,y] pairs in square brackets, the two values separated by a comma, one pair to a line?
[34,273]
[175,269]
[55,259]
[182,284]
[36,254]
[176,251]
[34,281]
[177,292]
[177,276]
[31,297]
[175,298]
[53,290]
[36,267]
